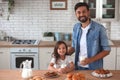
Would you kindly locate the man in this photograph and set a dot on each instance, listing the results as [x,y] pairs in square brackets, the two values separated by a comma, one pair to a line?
[89,40]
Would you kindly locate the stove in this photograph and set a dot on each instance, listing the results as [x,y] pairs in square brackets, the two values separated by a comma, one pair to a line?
[29,42]
[20,54]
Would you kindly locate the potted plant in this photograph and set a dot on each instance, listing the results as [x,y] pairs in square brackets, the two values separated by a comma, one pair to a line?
[11,4]
[48,36]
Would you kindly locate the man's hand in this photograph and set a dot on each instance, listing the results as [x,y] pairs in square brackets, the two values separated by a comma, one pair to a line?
[71,50]
[86,61]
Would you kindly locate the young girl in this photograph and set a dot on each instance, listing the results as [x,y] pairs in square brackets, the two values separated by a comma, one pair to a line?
[60,61]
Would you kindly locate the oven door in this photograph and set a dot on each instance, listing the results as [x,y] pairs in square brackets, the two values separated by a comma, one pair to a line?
[17,59]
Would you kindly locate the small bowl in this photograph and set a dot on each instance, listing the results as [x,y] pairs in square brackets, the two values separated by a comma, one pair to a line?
[107,16]
[107,6]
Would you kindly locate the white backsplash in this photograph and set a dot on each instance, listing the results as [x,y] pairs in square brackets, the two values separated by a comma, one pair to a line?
[115,31]
[30,18]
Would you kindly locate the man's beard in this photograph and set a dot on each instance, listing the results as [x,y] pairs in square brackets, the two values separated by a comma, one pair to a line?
[83,19]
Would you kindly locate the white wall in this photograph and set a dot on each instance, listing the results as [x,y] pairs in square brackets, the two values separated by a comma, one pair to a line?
[30,18]
[115,30]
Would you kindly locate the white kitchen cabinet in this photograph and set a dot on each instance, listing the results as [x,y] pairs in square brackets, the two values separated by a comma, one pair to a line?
[4,58]
[110,60]
[103,10]
[45,57]
[118,59]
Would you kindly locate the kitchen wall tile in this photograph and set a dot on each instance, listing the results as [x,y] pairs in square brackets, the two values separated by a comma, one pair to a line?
[115,31]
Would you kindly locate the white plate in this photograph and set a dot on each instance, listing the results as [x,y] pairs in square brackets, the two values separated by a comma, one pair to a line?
[102,75]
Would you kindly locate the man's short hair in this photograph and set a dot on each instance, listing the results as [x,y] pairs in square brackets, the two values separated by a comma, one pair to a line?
[81,4]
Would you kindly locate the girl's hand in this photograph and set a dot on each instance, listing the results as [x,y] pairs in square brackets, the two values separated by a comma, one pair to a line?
[71,50]
[59,70]
[65,69]
[62,70]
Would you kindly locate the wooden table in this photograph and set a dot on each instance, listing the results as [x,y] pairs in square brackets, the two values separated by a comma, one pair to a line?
[16,75]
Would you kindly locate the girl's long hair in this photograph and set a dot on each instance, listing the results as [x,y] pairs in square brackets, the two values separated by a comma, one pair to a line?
[55,53]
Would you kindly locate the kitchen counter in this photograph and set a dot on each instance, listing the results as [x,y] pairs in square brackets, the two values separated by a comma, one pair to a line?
[4,44]
[16,75]
[9,44]
[116,42]
[51,43]
[41,44]
[47,44]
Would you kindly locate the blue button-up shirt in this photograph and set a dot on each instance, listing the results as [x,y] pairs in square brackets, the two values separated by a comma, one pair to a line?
[97,41]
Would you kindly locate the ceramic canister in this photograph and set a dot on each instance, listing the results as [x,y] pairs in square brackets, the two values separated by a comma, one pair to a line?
[58,36]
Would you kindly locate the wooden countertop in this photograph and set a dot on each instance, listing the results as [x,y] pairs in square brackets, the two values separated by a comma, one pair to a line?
[116,42]
[51,43]
[9,44]
[16,75]
[41,44]
[45,44]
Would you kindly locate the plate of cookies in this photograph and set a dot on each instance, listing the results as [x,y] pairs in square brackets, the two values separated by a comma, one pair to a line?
[101,73]
[37,77]
[51,74]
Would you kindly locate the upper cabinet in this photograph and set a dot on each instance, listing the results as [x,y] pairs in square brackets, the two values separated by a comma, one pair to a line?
[103,10]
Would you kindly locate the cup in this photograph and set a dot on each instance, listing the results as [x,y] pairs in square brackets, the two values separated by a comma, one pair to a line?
[67,37]
[80,59]
[58,36]
[91,5]
[63,65]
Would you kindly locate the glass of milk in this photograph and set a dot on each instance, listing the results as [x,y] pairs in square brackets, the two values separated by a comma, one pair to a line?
[81,58]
